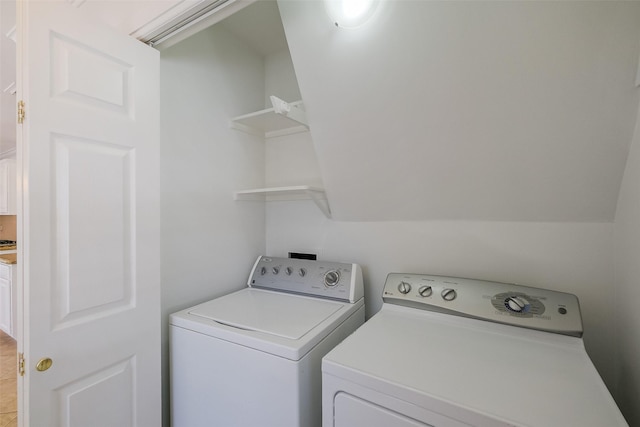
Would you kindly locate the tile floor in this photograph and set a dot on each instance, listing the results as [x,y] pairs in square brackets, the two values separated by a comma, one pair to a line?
[8,391]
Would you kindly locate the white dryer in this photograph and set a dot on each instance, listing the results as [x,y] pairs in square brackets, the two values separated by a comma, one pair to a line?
[446,351]
[252,357]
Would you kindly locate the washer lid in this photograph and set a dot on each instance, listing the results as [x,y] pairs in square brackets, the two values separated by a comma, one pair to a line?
[273,313]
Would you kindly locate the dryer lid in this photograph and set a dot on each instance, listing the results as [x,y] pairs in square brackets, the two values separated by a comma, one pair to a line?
[274,313]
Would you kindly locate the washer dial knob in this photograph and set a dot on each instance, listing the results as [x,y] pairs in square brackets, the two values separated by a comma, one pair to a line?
[404,288]
[516,304]
[263,271]
[275,270]
[331,278]
[449,294]
[302,272]
[288,271]
[425,291]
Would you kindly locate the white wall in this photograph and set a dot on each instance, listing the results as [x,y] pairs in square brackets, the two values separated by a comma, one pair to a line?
[627,280]
[209,241]
[280,78]
[290,160]
[575,258]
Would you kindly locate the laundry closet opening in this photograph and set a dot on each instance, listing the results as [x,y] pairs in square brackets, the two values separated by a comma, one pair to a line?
[221,85]
[225,72]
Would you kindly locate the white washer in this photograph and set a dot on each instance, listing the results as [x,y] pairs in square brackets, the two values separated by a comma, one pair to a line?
[446,351]
[252,357]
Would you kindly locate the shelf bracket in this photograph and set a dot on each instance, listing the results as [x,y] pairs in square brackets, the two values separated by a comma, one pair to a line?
[293,112]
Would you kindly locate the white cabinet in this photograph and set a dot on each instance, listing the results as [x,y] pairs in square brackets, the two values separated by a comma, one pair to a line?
[7,187]
[8,299]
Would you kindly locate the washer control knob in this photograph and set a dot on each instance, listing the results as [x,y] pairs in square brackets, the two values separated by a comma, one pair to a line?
[275,270]
[288,271]
[263,271]
[404,288]
[516,304]
[302,272]
[331,278]
[449,294]
[425,291]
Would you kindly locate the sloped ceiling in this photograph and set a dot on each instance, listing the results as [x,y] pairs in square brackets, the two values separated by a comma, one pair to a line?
[508,111]
[259,26]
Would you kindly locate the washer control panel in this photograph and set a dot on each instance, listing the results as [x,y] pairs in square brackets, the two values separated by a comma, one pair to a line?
[318,278]
[506,303]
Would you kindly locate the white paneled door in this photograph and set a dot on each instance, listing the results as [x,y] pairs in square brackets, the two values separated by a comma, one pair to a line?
[89,218]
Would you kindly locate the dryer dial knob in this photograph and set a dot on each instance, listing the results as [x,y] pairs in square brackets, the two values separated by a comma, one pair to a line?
[449,294]
[331,278]
[263,271]
[516,304]
[425,291]
[275,270]
[404,288]
[288,271]
[302,272]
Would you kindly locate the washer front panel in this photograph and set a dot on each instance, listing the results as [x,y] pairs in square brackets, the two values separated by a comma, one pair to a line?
[511,304]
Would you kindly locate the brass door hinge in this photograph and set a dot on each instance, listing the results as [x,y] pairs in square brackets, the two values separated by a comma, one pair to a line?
[21,112]
[21,364]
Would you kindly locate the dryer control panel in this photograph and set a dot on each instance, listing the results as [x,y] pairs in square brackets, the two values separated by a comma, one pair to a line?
[516,305]
[325,279]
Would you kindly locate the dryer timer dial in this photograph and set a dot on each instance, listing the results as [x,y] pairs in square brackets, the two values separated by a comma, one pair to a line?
[517,304]
[331,278]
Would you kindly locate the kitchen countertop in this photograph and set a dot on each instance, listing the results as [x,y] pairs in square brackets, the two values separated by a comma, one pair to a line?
[9,259]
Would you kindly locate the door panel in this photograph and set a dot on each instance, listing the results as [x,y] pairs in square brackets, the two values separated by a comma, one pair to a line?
[89,76]
[89,221]
[77,399]
[93,179]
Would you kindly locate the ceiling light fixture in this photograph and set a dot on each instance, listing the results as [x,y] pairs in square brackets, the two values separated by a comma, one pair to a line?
[350,13]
